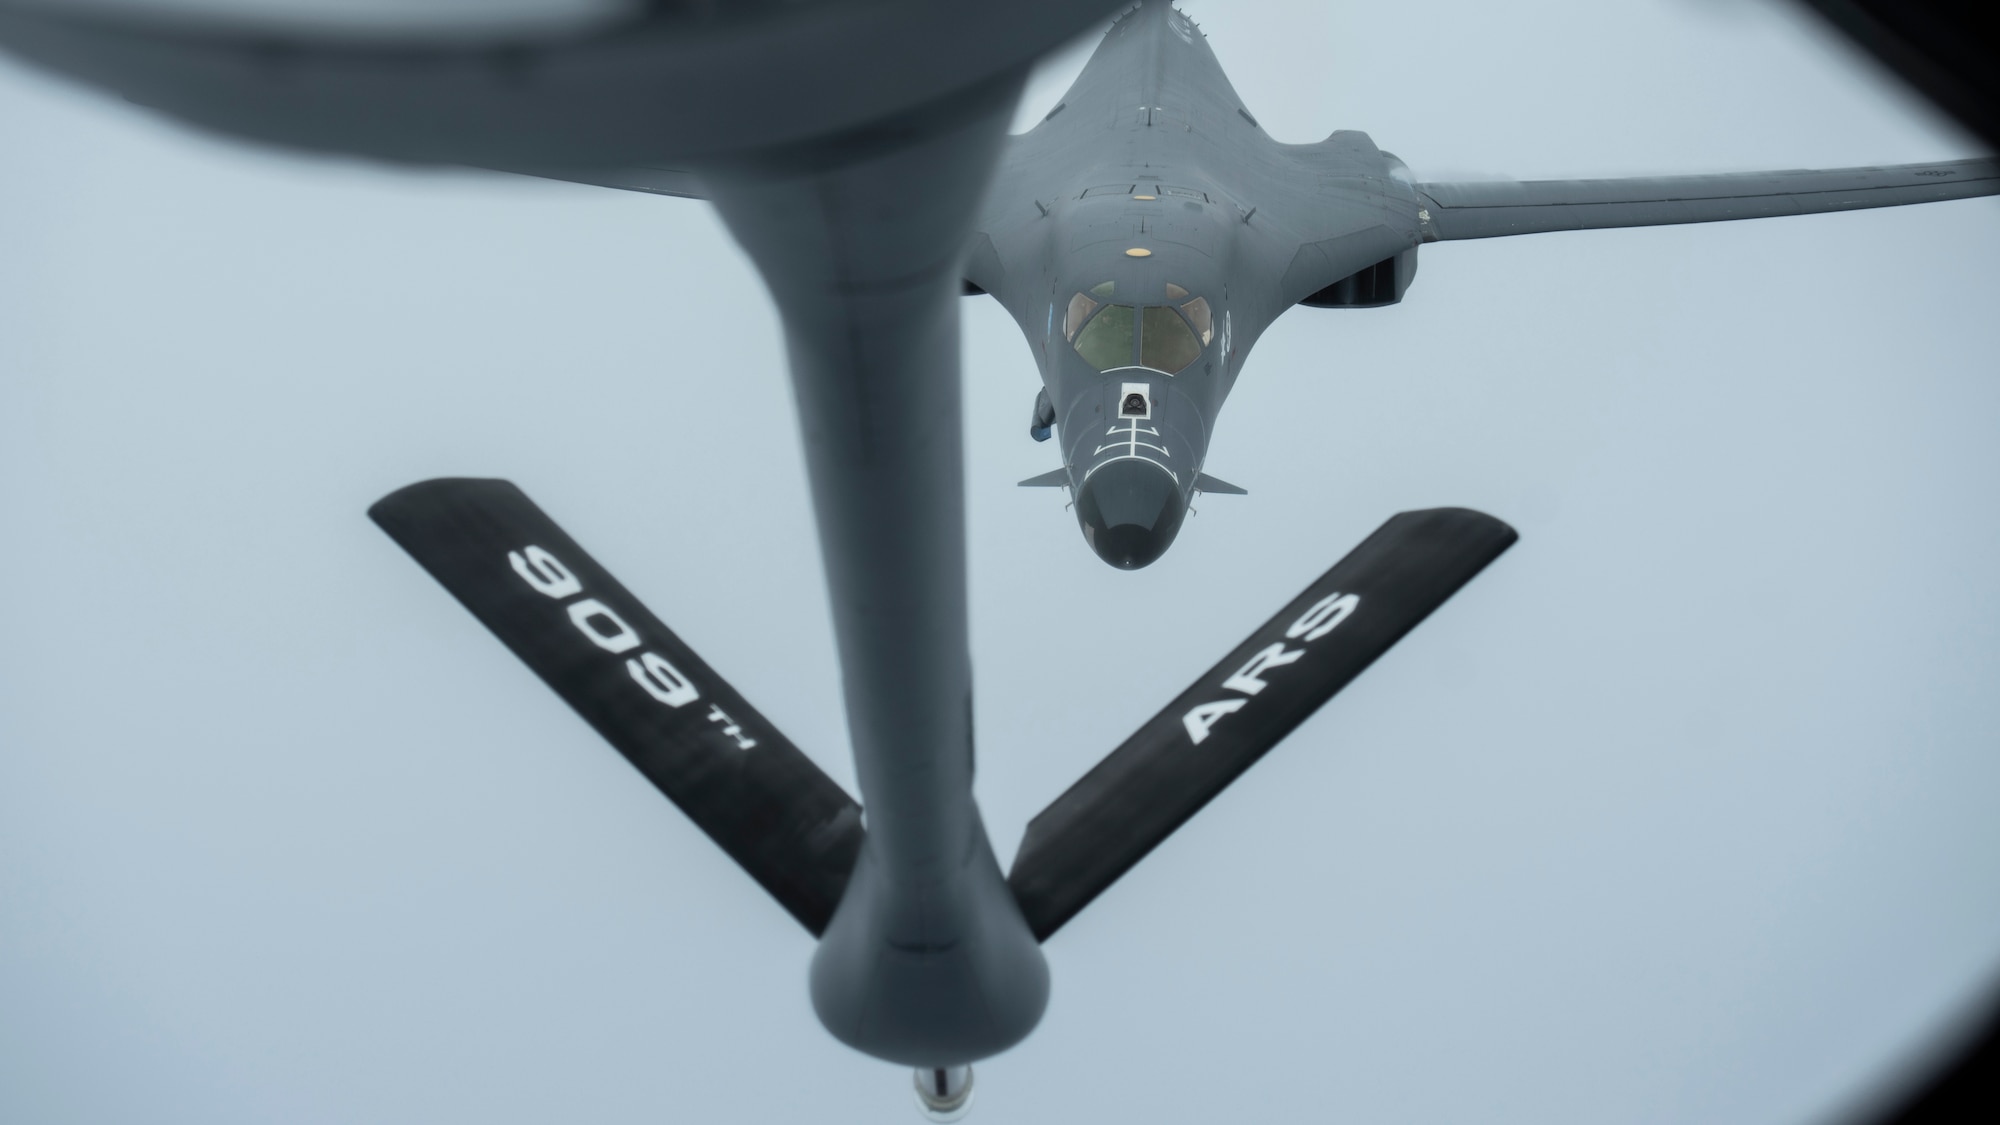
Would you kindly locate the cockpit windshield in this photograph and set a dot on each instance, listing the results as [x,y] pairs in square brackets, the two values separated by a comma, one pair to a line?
[1166,343]
[1198,315]
[1165,338]
[1107,340]
[1080,308]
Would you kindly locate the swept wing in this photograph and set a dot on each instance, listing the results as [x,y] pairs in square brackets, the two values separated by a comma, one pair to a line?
[1481,209]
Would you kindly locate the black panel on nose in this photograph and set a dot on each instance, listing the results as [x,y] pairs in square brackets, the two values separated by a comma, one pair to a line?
[1130,510]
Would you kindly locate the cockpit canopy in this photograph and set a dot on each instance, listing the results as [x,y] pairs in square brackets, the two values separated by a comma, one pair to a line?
[1165,338]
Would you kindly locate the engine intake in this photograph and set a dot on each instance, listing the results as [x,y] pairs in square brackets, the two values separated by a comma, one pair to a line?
[1380,284]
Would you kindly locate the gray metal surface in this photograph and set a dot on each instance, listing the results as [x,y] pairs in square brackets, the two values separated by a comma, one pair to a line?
[1487,209]
[927,961]
[674,80]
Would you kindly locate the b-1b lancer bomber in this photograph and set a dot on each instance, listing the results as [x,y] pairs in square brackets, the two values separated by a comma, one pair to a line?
[1144,235]
[1148,231]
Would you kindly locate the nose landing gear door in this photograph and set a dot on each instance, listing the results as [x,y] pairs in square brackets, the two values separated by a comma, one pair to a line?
[1135,400]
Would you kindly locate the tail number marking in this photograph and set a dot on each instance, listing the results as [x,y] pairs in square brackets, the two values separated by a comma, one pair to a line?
[1324,616]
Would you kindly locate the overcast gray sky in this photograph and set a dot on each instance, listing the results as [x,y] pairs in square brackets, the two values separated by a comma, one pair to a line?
[1682,812]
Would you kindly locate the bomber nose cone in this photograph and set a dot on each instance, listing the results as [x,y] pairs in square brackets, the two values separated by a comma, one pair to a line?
[1131,511]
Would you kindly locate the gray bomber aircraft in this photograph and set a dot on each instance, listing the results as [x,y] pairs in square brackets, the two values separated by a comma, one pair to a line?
[1147,232]
[1143,236]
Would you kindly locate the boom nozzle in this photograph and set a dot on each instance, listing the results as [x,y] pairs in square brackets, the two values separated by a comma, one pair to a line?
[944,1094]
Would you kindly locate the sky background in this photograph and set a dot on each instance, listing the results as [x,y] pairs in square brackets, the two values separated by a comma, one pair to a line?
[1681,812]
